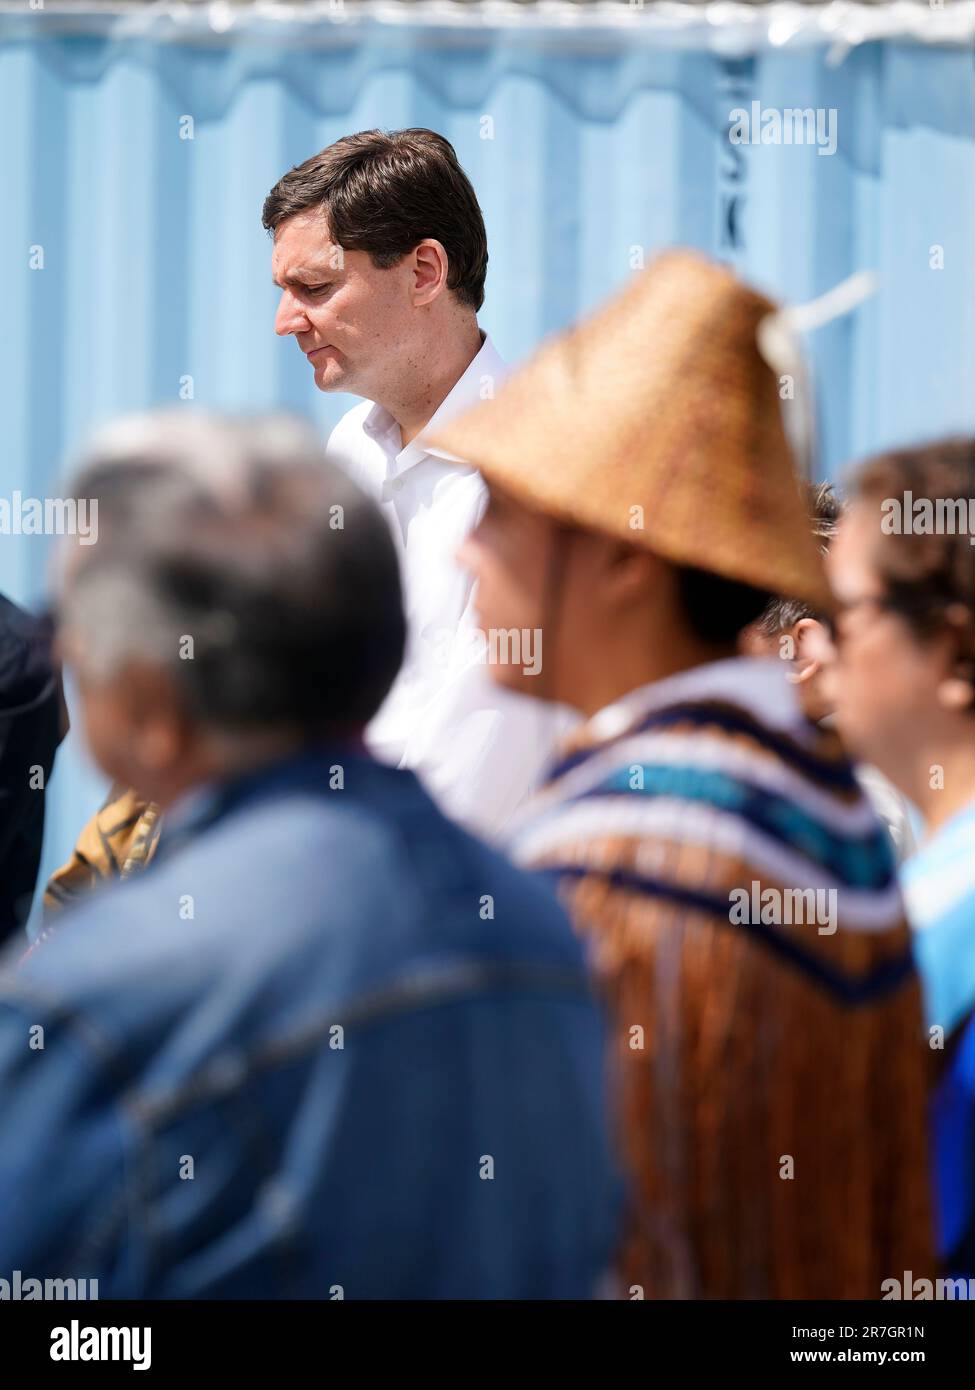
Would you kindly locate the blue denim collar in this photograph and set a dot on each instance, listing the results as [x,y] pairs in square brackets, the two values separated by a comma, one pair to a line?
[309,769]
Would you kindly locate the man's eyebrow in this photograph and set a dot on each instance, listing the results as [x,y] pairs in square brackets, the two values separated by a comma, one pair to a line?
[305,275]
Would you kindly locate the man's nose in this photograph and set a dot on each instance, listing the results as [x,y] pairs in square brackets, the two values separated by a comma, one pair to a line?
[290,317]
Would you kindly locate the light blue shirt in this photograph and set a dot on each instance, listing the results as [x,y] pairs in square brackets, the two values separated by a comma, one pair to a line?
[939,892]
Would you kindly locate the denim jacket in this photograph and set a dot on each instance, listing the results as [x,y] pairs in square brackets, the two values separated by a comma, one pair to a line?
[328,1045]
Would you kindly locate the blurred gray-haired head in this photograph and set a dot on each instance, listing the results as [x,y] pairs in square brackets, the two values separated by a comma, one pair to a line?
[234,556]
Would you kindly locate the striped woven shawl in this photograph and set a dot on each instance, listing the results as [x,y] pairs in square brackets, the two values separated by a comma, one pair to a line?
[739,897]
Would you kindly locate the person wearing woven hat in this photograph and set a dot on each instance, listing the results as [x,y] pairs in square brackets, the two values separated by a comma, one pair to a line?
[736,889]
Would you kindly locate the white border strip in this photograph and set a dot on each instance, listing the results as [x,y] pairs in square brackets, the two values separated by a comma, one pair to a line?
[725,26]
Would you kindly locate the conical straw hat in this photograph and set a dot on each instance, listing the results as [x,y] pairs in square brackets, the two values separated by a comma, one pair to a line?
[658,421]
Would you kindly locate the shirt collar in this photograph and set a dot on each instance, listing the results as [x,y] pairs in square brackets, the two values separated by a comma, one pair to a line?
[380,426]
[486,370]
[757,685]
[201,806]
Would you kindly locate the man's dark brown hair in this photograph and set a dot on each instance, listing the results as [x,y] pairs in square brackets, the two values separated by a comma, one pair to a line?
[384,192]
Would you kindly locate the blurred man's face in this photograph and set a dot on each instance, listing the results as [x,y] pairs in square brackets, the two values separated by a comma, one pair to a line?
[354,323]
[884,680]
[107,723]
[567,594]
[131,721]
[508,555]
[810,657]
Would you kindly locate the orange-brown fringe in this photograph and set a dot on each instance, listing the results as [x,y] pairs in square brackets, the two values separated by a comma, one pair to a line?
[747,1062]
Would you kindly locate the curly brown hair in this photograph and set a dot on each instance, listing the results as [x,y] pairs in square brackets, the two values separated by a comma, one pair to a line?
[927,576]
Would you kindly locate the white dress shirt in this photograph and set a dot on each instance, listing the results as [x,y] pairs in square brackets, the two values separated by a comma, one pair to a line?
[478,748]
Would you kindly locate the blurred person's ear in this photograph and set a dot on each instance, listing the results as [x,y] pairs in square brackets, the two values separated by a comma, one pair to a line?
[956,693]
[812,649]
[957,690]
[627,572]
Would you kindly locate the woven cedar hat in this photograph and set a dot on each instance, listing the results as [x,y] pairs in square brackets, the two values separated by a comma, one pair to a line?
[660,400]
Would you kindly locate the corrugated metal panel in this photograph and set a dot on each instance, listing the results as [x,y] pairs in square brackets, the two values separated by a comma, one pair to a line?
[586,155]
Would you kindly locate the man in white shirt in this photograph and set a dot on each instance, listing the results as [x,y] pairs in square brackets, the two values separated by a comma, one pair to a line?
[381,254]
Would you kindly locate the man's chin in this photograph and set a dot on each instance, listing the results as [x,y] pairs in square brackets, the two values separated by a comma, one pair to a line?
[331,377]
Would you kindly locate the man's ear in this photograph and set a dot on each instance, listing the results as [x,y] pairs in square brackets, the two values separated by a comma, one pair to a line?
[807,635]
[430,270]
[159,728]
[630,570]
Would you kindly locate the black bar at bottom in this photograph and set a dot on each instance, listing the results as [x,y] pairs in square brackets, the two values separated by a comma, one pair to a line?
[436,1339]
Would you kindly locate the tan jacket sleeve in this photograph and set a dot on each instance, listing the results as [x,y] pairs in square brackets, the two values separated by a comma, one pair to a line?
[120,839]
